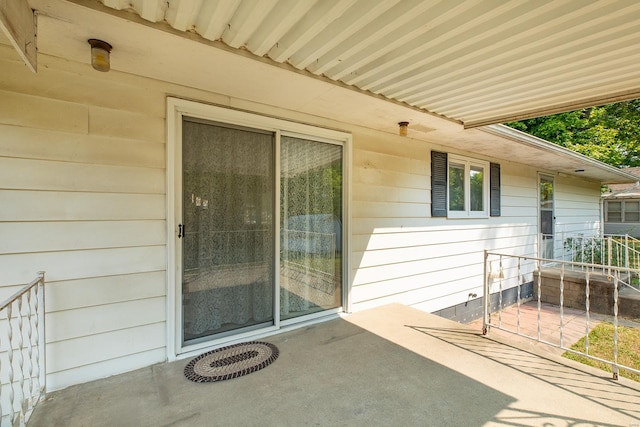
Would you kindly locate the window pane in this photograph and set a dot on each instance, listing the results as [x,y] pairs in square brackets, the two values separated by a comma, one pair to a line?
[614,211]
[546,193]
[631,206]
[227,249]
[456,187]
[476,178]
[311,226]
[631,212]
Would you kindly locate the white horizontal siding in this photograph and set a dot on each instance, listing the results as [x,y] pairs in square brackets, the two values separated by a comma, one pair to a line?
[24,205]
[390,179]
[408,238]
[577,208]
[88,350]
[16,173]
[43,113]
[69,265]
[401,254]
[62,379]
[390,194]
[25,237]
[392,162]
[80,148]
[64,325]
[95,291]
[390,210]
[83,197]
[125,124]
[66,82]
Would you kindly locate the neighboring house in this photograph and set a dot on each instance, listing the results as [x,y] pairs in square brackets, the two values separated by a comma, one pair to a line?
[621,204]
[198,195]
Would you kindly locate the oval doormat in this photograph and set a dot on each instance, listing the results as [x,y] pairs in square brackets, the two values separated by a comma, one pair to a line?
[231,362]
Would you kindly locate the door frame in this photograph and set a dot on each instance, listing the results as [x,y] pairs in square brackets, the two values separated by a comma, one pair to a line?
[176,109]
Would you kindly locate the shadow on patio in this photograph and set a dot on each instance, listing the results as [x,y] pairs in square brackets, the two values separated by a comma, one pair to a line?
[390,365]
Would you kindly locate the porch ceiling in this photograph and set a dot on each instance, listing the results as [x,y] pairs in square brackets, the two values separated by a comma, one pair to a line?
[476,62]
[306,78]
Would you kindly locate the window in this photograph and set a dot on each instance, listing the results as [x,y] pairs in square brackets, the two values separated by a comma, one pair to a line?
[614,211]
[631,212]
[468,187]
[456,187]
[265,203]
[623,211]
[462,187]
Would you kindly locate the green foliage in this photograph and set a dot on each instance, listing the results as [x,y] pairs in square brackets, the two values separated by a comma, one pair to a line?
[584,250]
[476,185]
[456,188]
[601,345]
[601,251]
[610,133]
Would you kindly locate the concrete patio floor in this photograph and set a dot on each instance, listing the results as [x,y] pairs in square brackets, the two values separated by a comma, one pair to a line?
[392,365]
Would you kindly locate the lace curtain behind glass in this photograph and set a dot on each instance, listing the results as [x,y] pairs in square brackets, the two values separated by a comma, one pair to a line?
[311,226]
[228,243]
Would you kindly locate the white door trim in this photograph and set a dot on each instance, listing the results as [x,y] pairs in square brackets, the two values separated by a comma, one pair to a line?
[176,109]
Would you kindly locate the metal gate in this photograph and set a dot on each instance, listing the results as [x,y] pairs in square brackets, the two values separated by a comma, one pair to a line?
[505,272]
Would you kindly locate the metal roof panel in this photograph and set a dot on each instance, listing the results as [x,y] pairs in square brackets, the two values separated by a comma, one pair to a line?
[473,61]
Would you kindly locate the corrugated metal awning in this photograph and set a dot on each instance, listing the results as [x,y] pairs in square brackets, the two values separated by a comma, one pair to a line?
[477,62]
[236,77]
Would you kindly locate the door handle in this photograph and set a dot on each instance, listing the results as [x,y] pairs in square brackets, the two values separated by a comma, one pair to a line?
[180,231]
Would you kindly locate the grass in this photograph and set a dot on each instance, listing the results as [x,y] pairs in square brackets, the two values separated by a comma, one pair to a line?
[601,345]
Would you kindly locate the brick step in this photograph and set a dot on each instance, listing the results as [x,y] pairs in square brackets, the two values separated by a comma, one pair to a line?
[629,303]
[600,292]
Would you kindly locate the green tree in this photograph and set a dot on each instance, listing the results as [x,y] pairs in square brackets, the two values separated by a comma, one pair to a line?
[609,133]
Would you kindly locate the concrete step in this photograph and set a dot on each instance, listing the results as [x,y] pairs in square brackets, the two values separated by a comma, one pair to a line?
[629,303]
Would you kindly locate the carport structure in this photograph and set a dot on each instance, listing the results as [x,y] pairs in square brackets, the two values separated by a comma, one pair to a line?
[474,62]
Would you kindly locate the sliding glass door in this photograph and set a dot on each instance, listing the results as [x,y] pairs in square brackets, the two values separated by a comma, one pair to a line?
[310,226]
[242,269]
[228,229]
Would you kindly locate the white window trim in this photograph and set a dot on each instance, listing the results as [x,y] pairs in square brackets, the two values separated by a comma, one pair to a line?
[623,211]
[606,211]
[468,163]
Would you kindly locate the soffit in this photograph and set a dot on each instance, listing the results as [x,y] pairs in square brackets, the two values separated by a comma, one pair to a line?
[474,61]
[160,52]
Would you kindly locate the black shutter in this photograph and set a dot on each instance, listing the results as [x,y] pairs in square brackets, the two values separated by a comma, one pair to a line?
[494,184]
[438,184]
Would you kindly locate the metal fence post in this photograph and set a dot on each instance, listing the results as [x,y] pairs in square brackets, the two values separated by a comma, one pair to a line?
[626,251]
[609,250]
[486,298]
[615,326]
[42,338]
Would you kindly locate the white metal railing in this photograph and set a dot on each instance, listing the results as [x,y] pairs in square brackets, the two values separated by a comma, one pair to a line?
[22,353]
[504,272]
[608,250]
[600,252]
